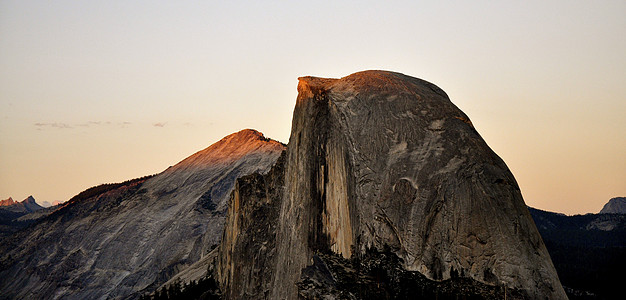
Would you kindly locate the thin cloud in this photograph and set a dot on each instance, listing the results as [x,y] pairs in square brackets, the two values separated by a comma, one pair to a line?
[90,124]
[41,126]
[95,123]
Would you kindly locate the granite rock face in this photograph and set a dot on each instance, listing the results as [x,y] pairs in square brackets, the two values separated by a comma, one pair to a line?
[247,253]
[119,241]
[382,162]
[616,205]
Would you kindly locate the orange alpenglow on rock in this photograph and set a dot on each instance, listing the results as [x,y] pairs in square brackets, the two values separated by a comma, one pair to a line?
[7,202]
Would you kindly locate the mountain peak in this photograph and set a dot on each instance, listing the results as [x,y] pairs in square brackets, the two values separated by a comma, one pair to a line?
[246,135]
[366,82]
[616,205]
[30,204]
[232,147]
[29,200]
[27,205]
[7,202]
[170,219]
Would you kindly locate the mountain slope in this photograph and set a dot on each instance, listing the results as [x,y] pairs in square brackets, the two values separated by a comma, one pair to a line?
[616,205]
[588,251]
[116,241]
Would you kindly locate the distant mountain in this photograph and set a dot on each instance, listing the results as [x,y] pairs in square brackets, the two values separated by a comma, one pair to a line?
[48,204]
[27,205]
[7,202]
[11,212]
[616,205]
[121,240]
[588,252]
[31,205]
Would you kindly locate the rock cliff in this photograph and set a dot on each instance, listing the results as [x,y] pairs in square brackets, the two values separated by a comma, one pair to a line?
[380,162]
[247,254]
[121,240]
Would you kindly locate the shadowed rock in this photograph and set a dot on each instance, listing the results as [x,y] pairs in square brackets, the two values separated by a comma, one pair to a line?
[17,215]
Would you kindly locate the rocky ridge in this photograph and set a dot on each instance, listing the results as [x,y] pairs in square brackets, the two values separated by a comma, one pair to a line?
[25,206]
[616,205]
[7,202]
[121,240]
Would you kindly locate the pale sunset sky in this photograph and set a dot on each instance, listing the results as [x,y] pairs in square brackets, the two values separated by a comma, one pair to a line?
[96,92]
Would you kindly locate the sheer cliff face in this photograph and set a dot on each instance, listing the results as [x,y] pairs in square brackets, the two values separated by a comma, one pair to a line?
[247,253]
[383,160]
[135,236]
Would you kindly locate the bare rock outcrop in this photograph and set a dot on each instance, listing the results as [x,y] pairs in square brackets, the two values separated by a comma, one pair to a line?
[122,240]
[616,205]
[247,253]
[7,202]
[380,162]
[25,206]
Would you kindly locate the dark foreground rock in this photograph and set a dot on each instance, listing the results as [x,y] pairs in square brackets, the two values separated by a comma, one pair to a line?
[381,276]
[588,251]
